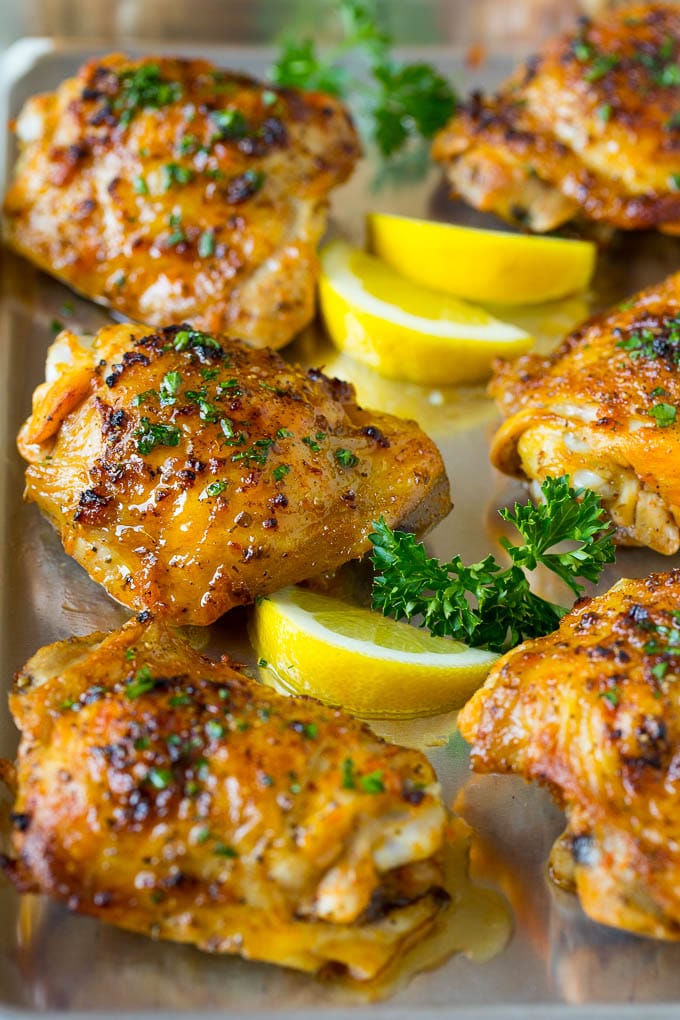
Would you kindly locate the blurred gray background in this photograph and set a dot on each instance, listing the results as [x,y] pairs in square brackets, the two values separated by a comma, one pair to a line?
[495,23]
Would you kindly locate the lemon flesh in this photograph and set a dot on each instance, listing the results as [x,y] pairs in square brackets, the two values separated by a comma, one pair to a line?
[406,331]
[490,266]
[371,666]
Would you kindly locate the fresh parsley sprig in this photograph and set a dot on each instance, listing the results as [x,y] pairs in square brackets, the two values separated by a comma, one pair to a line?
[400,101]
[483,604]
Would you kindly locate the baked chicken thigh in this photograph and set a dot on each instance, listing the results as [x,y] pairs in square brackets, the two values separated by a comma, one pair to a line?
[168,794]
[588,129]
[190,473]
[172,190]
[593,712]
[604,409]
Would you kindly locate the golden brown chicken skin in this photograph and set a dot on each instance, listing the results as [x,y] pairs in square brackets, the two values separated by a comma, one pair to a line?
[604,409]
[593,712]
[172,190]
[590,129]
[168,794]
[190,473]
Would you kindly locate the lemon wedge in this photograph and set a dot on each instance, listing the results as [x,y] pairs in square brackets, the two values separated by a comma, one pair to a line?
[372,666]
[406,331]
[490,266]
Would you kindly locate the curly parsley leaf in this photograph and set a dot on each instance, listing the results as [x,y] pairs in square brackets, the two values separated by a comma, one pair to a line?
[399,101]
[413,99]
[299,66]
[566,514]
[483,604]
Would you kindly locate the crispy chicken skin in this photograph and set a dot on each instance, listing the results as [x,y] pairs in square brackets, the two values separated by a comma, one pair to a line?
[603,410]
[590,128]
[593,712]
[190,474]
[168,794]
[171,190]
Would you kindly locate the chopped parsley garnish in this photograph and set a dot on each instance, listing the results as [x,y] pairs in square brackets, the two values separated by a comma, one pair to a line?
[176,235]
[141,743]
[348,777]
[346,458]
[143,398]
[206,244]
[222,850]
[612,696]
[284,434]
[152,434]
[273,389]
[311,730]
[214,729]
[177,700]
[483,604]
[188,144]
[187,338]
[140,186]
[582,50]
[170,384]
[229,387]
[160,779]
[674,181]
[600,66]
[216,488]
[143,89]
[313,444]
[604,112]
[661,63]
[142,682]
[373,782]
[663,414]
[280,472]
[206,411]
[668,76]
[230,124]
[209,373]
[661,342]
[666,639]
[174,174]
[255,454]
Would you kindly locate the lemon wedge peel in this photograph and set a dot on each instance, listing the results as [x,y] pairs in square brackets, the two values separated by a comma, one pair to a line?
[315,645]
[490,266]
[406,331]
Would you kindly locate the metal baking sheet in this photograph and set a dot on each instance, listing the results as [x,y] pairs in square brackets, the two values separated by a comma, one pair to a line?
[557,962]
